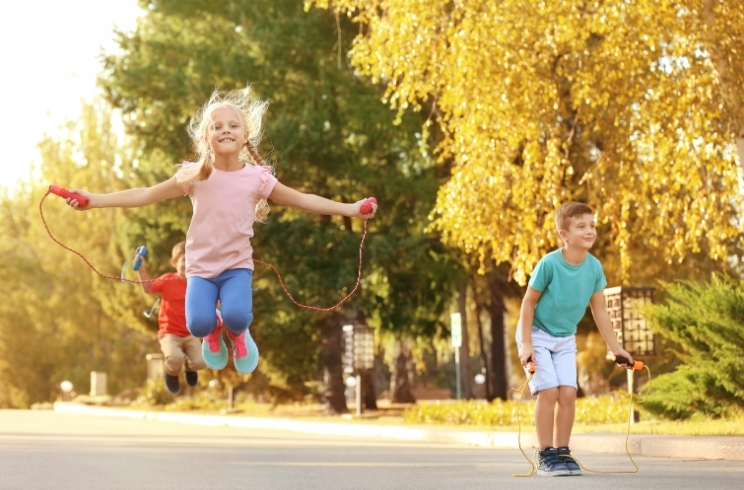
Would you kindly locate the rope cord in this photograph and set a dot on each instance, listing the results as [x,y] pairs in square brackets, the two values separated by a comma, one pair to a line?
[627,436]
[533,462]
[126,263]
[276,271]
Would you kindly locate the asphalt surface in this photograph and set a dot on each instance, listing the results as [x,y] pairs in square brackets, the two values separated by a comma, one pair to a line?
[48,450]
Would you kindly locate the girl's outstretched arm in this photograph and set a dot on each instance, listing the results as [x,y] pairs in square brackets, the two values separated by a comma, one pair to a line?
[318,205]
[130,198]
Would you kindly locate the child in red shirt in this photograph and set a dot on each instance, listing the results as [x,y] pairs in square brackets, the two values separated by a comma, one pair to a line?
[179,347]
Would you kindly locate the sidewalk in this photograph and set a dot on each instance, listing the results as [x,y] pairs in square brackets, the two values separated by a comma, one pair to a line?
[683,447]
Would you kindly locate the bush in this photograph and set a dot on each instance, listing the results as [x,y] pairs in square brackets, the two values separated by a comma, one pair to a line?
[153,393]
[93,400]
[606,409]
[203,400]
[707,322]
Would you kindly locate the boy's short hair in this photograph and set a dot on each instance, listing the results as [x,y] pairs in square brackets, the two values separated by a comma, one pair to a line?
[570,210]
[179,249]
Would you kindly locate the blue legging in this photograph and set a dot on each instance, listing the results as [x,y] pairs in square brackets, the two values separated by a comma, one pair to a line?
[233,289]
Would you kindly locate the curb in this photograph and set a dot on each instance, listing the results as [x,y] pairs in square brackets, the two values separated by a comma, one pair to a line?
[683,447]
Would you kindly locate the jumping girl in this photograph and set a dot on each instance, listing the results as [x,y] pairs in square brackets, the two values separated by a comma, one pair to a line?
[228,186]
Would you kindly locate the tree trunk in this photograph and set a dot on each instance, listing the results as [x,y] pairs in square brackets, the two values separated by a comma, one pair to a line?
[730,85]
[466,369]
[496,310]
[400,381]
[485,365]
[721,59]
[333,376]
[369,397]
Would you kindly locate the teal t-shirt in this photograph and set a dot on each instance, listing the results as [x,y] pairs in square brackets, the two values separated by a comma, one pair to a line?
[566,291]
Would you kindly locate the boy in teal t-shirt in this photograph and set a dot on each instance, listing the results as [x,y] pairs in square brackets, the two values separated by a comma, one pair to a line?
[563,283]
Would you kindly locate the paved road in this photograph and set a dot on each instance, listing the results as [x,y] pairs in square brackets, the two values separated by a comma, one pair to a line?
[47,450]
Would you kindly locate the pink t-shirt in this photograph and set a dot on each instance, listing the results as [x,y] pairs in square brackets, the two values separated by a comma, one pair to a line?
[219,237]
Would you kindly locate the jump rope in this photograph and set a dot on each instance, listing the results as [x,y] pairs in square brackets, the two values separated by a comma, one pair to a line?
[635,366]
[366,208]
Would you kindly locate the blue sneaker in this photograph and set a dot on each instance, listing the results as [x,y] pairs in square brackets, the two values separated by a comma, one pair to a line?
[245,351]
[214,349]
[550,464]
[571,464]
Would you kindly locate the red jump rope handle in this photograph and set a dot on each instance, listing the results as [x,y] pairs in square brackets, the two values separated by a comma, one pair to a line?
[367,205]
[637,365]
[530,366]
[62,192]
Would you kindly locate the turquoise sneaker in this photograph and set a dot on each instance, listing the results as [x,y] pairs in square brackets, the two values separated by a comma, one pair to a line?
[245,351]
[214,349]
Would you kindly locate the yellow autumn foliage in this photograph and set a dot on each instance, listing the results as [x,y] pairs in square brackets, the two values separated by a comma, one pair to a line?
[633,106]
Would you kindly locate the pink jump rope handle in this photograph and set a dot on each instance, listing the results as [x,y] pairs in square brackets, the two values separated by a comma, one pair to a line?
[367,205]
[62,192]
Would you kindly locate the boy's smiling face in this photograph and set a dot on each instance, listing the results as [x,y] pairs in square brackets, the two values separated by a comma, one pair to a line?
[581,232]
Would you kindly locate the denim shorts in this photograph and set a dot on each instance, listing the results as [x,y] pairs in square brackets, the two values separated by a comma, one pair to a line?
[555,360]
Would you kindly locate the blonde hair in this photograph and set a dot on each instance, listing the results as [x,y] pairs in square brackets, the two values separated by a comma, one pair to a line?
[179,249]
[250,110]
[568,211]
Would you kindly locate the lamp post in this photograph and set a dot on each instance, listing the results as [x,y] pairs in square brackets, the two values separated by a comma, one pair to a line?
[358,356]
[456,324]
[624,304]
[66,388]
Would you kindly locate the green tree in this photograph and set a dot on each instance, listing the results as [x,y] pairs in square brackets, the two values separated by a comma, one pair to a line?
[705,321]
[52,325]
[330,136]
[631,106]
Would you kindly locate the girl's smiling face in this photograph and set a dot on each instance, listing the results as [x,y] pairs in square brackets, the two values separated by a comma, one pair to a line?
[226,135]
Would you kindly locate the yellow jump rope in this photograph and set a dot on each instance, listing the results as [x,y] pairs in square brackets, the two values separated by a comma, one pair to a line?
[636,366]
